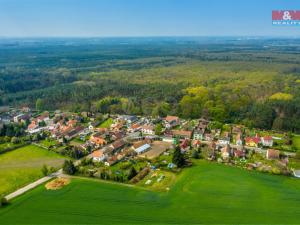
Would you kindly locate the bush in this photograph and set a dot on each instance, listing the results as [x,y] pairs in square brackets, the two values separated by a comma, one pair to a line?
[45,170]
[68,167]
[195,154]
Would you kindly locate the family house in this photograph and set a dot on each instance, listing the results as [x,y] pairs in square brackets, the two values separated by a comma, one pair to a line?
[97,139]
[208,137]
[224,141]
[196,143]
[21,118]
[74,132]
[203,123]
[272,154]
[117,135]
[93,125]
[33,125]
[135,127]
[237,130]
[198,134]
[267,141]
[252,141]
[148,129]
[98,156]
[117,145]
[182,134]
[171,121]
[239,152]
[185,144]
[129,118]
[226,152]
[239,139]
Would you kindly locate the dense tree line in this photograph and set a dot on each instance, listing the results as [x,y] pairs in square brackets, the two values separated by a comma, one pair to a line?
[249,84]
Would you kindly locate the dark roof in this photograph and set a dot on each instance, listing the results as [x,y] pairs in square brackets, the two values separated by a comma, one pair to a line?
[118,144]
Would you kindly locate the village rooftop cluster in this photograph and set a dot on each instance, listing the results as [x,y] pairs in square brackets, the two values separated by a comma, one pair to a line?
[109,139]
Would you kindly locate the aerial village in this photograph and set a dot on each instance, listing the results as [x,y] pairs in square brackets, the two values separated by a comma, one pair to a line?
[129,148]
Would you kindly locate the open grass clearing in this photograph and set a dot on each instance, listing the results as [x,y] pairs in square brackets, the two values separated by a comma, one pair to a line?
[22,166]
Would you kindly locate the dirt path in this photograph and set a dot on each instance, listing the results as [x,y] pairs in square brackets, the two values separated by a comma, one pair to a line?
[32,185]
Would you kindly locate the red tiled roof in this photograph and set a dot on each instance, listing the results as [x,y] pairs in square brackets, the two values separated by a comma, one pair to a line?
[97,154]
[254,139]
[268,138]
[171,118]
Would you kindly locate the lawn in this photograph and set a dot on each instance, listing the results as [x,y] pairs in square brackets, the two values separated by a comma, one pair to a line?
[106,123]
[296,142]
[208,193]
[23,165]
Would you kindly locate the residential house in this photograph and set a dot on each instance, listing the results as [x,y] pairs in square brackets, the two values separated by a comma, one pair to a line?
[111,160]
[148,129]
[135,127]
[185,144]
[196,143]
[224,141]
[208,137]
[239,152]
[117,135]
[98,156]
[203,124]
[73,132]
[25,109]
[239,139]
[21,118]
[267,141]
[171,121]
[33,125]
[272,154]
[130,118]
[182,134]
[93,125]
[198,134]
[226,152]
[237,130]
[117,145]
[97,139]
[252,141]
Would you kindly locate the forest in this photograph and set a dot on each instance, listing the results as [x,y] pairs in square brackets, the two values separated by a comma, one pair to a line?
[252,81]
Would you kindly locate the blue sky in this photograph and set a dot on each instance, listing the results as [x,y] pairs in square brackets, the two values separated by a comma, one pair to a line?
[86,18]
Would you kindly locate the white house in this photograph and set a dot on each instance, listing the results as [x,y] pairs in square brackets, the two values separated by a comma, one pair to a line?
[148,129]
[267,141]
[224,141]
[98,156]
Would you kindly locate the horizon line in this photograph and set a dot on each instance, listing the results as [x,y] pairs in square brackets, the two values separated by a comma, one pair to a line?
[153,36]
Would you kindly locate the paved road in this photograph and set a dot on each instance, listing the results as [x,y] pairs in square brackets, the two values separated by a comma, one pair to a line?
[33,185]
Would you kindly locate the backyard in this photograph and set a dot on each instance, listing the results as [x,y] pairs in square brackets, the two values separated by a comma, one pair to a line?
[23,165]
[206,193]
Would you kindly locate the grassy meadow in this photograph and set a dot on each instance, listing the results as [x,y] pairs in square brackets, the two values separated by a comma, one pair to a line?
[23,165]
[107,123]
[207,193]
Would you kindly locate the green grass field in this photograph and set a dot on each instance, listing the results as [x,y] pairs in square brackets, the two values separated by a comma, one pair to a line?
[106,123]
[23,165]
[296,142]
[207,194]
